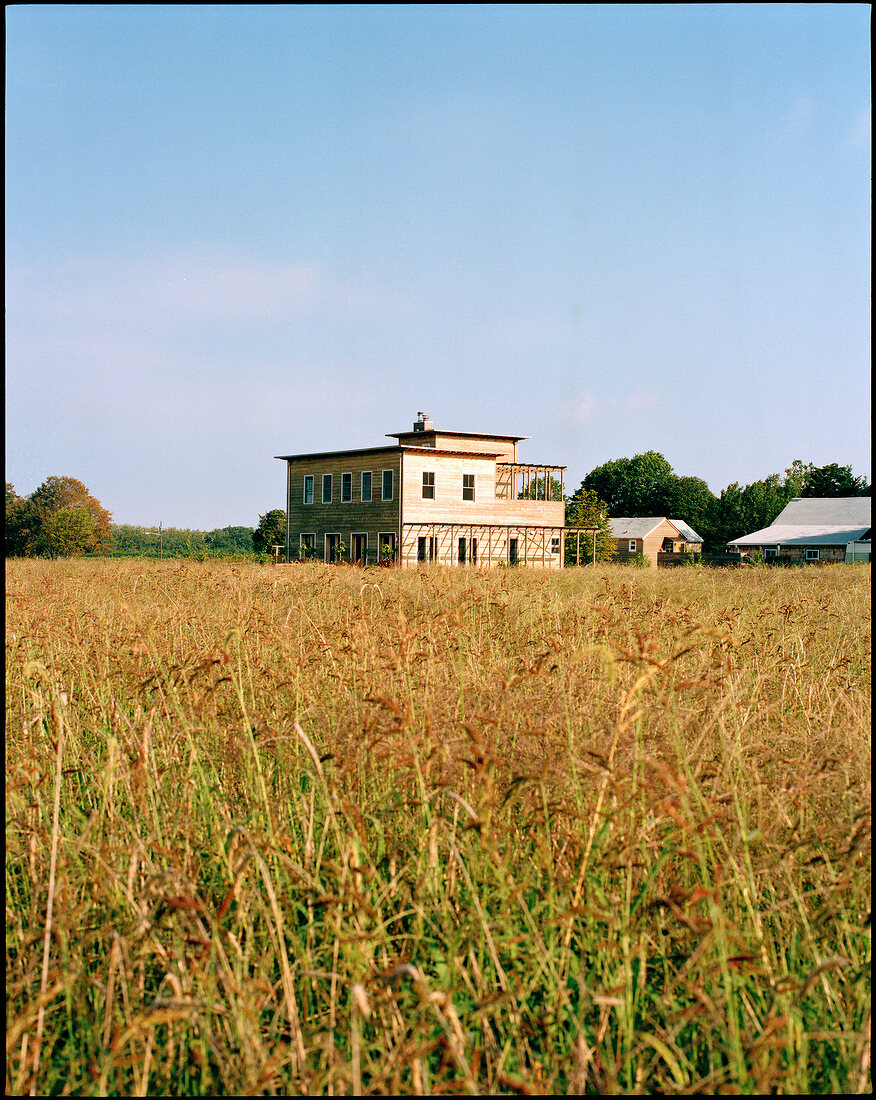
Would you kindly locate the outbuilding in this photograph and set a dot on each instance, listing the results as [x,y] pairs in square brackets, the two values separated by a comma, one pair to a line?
[813,529]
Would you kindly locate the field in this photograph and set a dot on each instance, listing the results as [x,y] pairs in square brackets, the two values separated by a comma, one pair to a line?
[321,830]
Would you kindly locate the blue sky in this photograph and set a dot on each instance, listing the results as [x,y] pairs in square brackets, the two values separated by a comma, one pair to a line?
[237,232]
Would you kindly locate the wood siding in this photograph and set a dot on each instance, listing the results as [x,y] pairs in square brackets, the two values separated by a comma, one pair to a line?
[650,546]
[448,505]
[446,517]
[346,519]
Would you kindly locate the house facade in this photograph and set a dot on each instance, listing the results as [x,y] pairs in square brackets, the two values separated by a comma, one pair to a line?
[659,539]
[448,497]
[813,529]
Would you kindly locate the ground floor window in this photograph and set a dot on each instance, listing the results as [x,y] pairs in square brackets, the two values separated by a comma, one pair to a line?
[467,550]
[770,552]
[555,544]
[306,546]
[513,551]
[632,546]
[427,548]
[812,555]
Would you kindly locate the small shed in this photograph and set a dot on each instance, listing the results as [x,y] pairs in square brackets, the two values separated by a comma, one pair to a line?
[657,537]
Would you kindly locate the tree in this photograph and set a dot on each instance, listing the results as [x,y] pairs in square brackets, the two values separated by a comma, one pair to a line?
[230,540]
[741,511]
[833,481]
[585,509]
[691,500]
[67,533]
[538,490]
[34,526]
[638,486]
[271,531]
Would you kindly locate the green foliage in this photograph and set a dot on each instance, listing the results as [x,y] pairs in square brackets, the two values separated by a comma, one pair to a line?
[537,490]
[271,531]
[640,561]
[132,541]
[67,532]
[48,524]
[740,511]
[833,481]
[584,508]
[230,540]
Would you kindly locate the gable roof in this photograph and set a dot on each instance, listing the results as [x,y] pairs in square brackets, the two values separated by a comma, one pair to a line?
[827,511]
[639,527]
[814,521]
[686,532]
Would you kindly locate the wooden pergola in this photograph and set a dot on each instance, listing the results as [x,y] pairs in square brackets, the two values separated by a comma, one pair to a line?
[494,538]
[524,481]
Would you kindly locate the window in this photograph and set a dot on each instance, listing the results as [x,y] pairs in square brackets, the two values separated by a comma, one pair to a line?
[425,544]
[468,486]
[428,486]
[346,488]
[513,552]
[462,545]
[366,486]
[474,551]
[326,488]
[387,485]
[813,555]
[770,552]
[307,545]
[632,545]
[555,544]
[308,489]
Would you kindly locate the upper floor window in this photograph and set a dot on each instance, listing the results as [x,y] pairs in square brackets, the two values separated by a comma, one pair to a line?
[468,486]
[428,486]
[366,486]
[308,488]
[326,488]
[346,488]
[387,484]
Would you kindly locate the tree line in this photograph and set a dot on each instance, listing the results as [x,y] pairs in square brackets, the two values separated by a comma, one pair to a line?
[61,518]
[646,485]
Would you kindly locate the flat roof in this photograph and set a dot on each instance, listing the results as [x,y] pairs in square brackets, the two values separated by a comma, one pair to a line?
[460,435]
[391,449]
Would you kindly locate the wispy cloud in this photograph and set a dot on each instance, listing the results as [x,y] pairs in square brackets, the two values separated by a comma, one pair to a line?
[189,286]
[589,407]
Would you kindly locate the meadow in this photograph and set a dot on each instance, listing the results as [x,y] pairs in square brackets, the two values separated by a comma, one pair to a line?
[325,830]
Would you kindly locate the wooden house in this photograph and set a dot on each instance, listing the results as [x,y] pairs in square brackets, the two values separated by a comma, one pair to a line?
[813,529]
[449,497]
[663,541]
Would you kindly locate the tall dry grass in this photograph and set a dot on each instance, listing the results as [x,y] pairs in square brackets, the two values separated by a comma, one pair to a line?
[325,830]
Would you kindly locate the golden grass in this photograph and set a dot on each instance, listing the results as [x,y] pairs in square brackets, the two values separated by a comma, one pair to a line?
[326,830]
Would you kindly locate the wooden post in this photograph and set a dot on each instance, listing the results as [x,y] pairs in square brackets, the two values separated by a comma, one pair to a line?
[594,547]
[578,546]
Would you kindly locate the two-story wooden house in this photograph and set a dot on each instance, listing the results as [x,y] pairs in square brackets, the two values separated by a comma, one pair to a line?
[455,498]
